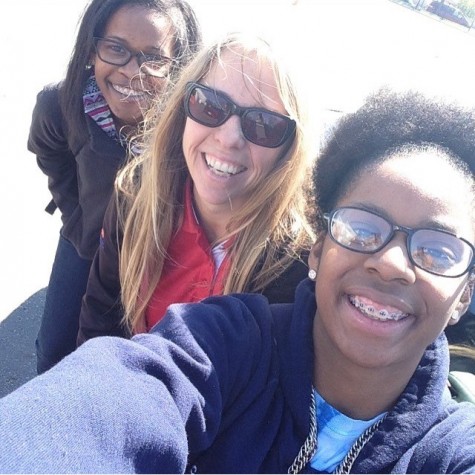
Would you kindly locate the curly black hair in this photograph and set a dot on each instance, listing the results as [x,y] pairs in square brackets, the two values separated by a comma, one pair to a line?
[389,121]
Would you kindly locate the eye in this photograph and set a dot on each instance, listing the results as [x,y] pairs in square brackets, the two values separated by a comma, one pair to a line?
[366,235]
[210,108]
[435,258]
[116,49]
[358,235]
[155,61]
[155,65]
[216,107]
[438,251]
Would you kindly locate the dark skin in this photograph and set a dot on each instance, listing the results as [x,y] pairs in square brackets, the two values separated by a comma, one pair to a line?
[363,363]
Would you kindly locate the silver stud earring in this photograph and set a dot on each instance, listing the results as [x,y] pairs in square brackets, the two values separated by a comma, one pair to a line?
[455,315]
[312,274]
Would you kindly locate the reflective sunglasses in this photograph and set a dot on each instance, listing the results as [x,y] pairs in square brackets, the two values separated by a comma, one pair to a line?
[435,251]
[115,53]
[260,126]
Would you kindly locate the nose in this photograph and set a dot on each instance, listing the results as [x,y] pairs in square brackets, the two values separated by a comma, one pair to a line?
[392,262]
[131,68]
[230,133]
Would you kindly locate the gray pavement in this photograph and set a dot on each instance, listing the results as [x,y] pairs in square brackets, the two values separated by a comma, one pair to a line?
[341,49]
[17,349]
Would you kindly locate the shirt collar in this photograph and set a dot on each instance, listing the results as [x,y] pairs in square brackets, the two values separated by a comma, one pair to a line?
[190,219]
[96,107]
[191,222]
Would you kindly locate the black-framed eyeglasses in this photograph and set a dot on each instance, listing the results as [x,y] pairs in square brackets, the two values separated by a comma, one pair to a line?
[435,251]
[260,126]
[115,53]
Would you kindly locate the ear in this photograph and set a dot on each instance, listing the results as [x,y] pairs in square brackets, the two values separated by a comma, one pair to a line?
[464,301]
[315,254]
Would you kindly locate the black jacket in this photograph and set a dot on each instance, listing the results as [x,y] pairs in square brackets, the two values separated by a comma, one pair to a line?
[80,175]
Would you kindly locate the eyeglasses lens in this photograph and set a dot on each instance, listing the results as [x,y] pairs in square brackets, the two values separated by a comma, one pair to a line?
[112,52]
[115,53]
[158,68]
[440,253]
[435,251]
[359,230]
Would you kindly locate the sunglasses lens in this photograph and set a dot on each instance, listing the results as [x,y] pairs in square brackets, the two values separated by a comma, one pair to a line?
[259,126]
[207,108]
[265,128]
[359,230]
[440,253]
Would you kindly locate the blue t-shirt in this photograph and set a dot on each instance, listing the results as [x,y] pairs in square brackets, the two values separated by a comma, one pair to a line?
[336,435]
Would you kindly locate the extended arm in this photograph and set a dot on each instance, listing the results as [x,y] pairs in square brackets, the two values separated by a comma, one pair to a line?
[140,405]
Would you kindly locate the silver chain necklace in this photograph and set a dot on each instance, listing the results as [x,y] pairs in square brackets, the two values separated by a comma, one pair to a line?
[309,447]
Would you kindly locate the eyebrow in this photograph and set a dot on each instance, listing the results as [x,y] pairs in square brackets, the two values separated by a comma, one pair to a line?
[218,92]
[125,43]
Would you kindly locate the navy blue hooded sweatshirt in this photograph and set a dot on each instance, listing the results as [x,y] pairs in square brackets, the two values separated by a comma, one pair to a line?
[222,386]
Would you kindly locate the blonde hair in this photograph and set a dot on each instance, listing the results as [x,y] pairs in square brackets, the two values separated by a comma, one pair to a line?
[269,231]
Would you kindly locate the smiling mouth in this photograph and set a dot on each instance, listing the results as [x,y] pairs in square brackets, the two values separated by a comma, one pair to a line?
[221,168]
[376,312]
[129,93]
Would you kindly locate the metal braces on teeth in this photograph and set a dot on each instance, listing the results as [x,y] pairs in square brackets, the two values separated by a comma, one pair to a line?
[371,311]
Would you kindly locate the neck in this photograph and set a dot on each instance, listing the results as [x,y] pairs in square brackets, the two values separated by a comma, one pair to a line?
[213,219]
[357,390]
[127,130]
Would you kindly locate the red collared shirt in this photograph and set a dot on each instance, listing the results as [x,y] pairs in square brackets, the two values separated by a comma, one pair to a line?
[191,272]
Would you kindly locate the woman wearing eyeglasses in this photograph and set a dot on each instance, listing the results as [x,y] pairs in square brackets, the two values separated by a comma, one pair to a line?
[350,378]
[83,129]
[216,202]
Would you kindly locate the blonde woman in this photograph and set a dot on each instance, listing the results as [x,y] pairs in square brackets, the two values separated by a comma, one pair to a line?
[216,203]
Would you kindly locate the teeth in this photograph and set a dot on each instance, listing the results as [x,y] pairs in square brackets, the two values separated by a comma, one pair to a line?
[374,313]
[126,91]
[223,168]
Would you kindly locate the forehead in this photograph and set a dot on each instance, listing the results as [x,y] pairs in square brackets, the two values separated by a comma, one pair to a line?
[139,26]
[245,77]
[418,189]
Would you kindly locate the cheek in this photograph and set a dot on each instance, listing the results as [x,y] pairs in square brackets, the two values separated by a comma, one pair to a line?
[103,72]
[193,135]
[152,84]
[263,159]
[330,266]
[101,69]
[442,297]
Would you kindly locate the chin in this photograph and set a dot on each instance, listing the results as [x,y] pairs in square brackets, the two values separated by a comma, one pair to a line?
[131,120]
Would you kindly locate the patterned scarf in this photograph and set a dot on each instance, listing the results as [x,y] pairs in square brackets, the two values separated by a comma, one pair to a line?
[96,107]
